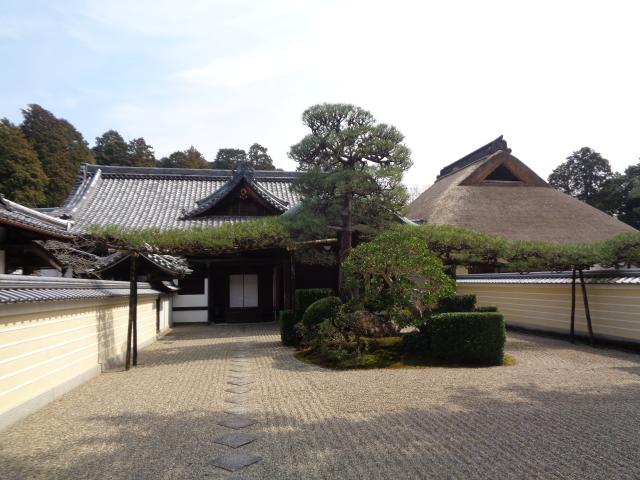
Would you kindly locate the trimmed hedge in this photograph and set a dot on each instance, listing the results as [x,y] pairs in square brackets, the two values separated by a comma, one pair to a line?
[287,333]
[488,308]
[468,337]
[305,297]
[458,303]
[324,309]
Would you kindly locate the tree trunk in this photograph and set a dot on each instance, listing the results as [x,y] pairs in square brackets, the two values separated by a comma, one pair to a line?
[586,306]
[346,239]
[573,305]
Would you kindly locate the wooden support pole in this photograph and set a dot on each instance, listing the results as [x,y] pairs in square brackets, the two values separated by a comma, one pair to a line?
[586,306]
[134,274]
[573,305]
[132,308]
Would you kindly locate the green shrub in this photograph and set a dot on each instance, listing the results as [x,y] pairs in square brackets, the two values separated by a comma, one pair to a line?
[324,309]
[468,337]
[415,342]
[488,308]
[287,324]
[457,303]
[305,297]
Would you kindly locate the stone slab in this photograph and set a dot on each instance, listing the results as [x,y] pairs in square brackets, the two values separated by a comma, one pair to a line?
[236,439]
[237,422]
[237,399]
[238,410]
[238,389]
[240,381]
[235,461]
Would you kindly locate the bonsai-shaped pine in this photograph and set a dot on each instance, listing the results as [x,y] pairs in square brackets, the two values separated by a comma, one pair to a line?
[352,170]
[401,270]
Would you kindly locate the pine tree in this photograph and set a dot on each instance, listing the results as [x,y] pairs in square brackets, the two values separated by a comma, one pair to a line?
[352,168]
[60,148]
[21,176]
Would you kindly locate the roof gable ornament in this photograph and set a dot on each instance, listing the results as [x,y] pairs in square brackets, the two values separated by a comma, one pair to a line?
[241,187]
[502,168]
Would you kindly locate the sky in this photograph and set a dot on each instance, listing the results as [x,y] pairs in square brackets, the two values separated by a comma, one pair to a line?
[551,76]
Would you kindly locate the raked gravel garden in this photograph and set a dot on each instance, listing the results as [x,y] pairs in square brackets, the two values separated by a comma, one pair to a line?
[561,411]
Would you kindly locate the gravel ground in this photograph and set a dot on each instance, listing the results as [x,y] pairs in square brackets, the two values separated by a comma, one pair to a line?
[561,412]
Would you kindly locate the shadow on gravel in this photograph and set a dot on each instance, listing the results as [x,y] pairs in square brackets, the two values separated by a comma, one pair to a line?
[517,432]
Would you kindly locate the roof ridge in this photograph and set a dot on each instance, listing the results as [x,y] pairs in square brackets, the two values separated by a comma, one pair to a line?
[188,172]
[492,147]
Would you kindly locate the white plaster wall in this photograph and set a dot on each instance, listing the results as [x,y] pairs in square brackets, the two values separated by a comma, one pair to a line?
[183,316]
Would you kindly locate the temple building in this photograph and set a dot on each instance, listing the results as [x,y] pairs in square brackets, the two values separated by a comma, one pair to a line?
[233,287]
[491,191]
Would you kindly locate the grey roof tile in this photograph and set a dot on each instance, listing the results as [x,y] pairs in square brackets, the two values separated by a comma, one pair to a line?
[25,218]
[608,277]
[24,288]
[159,197]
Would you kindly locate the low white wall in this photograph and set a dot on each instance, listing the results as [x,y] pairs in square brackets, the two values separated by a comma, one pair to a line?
[47,348]
[615,309]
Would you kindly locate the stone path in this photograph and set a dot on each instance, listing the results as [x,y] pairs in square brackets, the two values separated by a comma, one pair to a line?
[563,412]
[240,374]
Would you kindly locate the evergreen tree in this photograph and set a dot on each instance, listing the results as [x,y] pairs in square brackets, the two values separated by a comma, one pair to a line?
[111,149]
[60,148]
[228,158]
[352,168]
[21,175]
[259,159]
[582,175]
[620,196]
[190,158]
[140,154]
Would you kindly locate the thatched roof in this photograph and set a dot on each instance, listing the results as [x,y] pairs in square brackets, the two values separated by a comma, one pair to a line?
[492,191]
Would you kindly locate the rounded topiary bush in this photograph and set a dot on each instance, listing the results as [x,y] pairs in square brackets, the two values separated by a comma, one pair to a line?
[321,310]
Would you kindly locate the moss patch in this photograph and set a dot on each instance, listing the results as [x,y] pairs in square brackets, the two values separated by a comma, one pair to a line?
[386,352]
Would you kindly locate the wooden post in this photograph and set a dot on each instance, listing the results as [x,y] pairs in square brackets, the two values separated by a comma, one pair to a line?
[134,257]
[132,308]
[573,305]
[292,264]
[586,306]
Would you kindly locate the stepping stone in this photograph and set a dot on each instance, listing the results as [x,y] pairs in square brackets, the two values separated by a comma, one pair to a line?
[235,461]
[236,439]
[238,389]
[237,399]
[239,410]
[240,381]
[237,422]
[240,376]
[240,369]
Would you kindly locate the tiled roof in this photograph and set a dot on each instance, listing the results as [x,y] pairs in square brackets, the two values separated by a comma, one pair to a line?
[134,197]
[172,264]
[25,288]
[611,277]
[18,216]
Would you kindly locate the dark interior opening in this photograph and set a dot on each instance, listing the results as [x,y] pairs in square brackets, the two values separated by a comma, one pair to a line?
[502,174]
